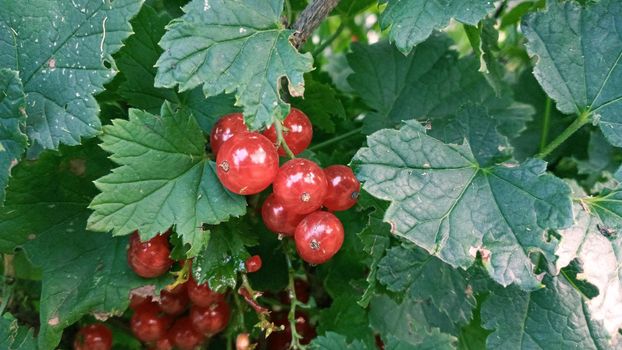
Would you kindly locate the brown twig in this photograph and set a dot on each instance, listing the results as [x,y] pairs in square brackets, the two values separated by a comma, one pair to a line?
[310,18]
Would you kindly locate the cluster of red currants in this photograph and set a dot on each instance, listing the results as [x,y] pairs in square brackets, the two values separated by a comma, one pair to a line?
[248,162]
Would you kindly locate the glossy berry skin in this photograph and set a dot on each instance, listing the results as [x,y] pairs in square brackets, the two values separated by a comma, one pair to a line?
[165,343]
[343,188]
[247,163]
[93,337]
[300,186]
[151,258]
[149,323]
[227,126]
[174,302]
[184,336]
[136,301]
[318,237]
[297,132]
[278,219]
[202,295]
[212,319]
[253,264]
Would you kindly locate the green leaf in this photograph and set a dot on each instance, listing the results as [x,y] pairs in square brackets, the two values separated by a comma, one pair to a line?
[334,341]
[553,317]
[223,258]
[321,105]
[579,60]
[428,84]
[424,277]
[406,322]
[12,119]
[484,38]
[346,317]
[15,337]
[448,203]
[231,46]
[412,21]
[164,179]
[137,60]
[61,55]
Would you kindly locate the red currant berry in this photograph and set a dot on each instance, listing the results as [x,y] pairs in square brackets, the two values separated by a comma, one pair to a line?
[93,337]
[137,300]
[174,302]
[184,336]
[151,258]
[165,343]
[247,163]
[300,186]
[297,132]
[225,128]
[202,295]
[277,218]
[280,340]
[212,319]
[343,188]
[253,264]
[148,323]
[242,342]
[318,237]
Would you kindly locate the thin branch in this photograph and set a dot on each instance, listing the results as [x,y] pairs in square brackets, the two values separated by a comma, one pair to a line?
[310,18]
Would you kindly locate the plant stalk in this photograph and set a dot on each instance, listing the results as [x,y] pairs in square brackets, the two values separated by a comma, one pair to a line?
[577,124]
[310,18]
[336,139]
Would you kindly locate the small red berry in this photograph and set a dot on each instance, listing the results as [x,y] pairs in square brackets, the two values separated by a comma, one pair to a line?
[318,237]
[300,186]
[93,337]
[212,319]
[151,258]
[165,343]
[137,300]
[242,342]
[202,295]
[184,336]
[247,163]
[278,219]
[280,340]
[343,188]
[297,132]
[149,323]
[174,302]
[227,126]
[253,264]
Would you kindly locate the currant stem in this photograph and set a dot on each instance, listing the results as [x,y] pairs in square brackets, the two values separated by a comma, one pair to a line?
[295,343]
[583,119]
[183,275]
[278,127]
[336,139]
[330,40]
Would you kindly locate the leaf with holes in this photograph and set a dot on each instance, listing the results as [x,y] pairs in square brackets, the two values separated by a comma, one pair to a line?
[164,179]
[61,56]
[229,46]
[453,201]
[579,52]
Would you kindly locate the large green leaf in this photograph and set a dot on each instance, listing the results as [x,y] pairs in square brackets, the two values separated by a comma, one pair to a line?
[555,317]
[15,337]
[346,317]
[137,60]
[445,200]
[423,277]
[63,58]
[412,21]
[428,84]
[579,53]
[229,46]
[164,179]
[334,341]
[12,141]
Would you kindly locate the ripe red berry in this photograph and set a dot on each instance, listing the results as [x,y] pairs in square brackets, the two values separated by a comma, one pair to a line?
[165,343]
[300,186]
[343,188]
[212,319]
[227,126]
[174,302]
[184,336]
[151,258]
[149,323]
[247,163]
[280,340]
[297,132]
[202,295]
[318,237]
[253,264]
[93,337]
[278,219]
[137,300]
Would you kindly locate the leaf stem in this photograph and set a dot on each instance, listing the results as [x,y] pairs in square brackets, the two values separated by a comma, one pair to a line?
[295,343]
[336,139]
[546,124]
[330,40]
[278,127]
[583,119]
